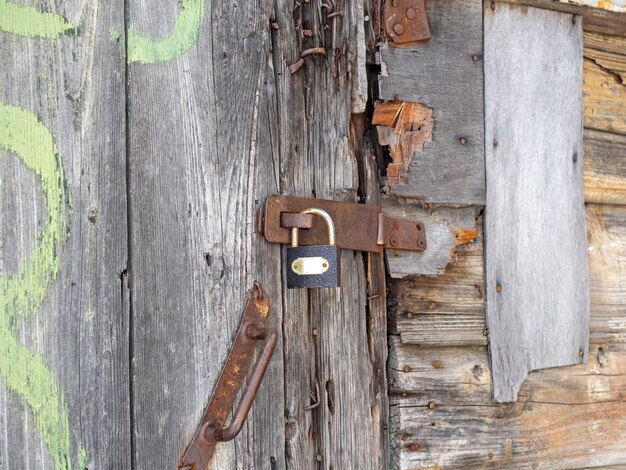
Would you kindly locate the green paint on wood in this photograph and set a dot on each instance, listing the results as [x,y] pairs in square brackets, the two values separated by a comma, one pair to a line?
[147,50]
[28,21]
[22,294]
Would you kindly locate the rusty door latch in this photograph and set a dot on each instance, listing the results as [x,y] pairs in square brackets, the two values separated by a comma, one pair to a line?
[405,21]
[357,226]
[211,428]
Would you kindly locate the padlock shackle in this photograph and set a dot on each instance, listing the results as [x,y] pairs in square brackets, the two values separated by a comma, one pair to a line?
[324,215]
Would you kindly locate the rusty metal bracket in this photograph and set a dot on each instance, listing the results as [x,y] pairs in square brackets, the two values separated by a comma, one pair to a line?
[357,226]
[211,429]
[406,21]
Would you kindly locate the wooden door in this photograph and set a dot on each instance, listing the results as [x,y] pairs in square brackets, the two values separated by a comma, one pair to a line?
[137,140]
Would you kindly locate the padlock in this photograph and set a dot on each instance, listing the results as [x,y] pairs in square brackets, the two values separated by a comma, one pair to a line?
[315,265]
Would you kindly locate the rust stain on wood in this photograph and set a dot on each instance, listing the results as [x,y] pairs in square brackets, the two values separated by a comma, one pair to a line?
[404,127]
[466,240]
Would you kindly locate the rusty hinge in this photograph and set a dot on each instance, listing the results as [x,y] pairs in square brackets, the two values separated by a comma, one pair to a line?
[357,226]
[406,21]
[211,430]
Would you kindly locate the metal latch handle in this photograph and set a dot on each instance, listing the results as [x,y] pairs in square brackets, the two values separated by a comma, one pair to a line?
[253,333]
[211,429]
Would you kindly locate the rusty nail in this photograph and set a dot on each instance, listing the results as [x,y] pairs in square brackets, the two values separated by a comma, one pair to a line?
[493,6]
[293,68]
[315,397]
[463,140]
[498,287]
[475,58]
[411,13]
[575,157]
[409,315]
[495,142]
[414,447]
[314,331]
[393,241]
[398,28]
[431,405]
[313,50]
[407,369]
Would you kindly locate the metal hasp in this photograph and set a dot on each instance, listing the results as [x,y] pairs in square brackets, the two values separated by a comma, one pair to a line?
[406,21]
[357,226]
[211,429]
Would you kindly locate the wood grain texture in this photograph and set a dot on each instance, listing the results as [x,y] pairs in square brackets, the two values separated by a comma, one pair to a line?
[537,287]
[605,167]
[604,88]
[73,86]
[448,230]
[594,19]
[198,173]
[446,170]
[448,309]
[459,378]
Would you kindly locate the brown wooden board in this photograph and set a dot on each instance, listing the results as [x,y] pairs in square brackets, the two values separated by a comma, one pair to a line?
[214,130]
[445,75]
[536,267]
[64,335]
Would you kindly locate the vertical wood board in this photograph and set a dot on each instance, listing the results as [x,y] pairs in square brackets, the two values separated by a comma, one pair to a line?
[64,400]
[446,75]
[536,250]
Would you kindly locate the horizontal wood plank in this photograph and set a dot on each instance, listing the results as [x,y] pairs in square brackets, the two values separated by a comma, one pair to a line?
[605,167]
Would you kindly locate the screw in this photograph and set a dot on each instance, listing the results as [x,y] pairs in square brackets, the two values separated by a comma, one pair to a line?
[420,243]
[498,287]
[431,405]
[393,241]
[463,140]
[475,58]
[398,28]
[575,157]
[411,13]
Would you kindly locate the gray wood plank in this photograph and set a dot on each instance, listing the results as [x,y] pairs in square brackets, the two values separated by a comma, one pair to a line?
[64,398]
[198,173]
[536,248]
[447,230]
[446,75]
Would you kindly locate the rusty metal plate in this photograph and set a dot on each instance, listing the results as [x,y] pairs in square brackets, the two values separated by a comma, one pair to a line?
[210,430]
[357,226]
[406,21]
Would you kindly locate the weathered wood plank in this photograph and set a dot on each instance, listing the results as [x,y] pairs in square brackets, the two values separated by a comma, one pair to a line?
[197,175]
[604,167]
[460,291]
[283,133]
[604,88]
[521,435]
[449,231]
[594,19]
[63,293]
[537,287]
[445,75]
